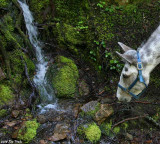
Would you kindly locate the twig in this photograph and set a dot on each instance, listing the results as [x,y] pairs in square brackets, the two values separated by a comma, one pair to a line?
[143,102]
[153,121]
[134,118]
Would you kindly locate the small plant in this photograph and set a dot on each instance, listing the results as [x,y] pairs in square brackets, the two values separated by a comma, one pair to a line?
[101,4]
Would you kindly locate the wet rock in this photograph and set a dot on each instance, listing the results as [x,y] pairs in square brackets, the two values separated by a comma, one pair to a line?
[90,107]
[2,75]
[83,88]
[60,132]
[104,112]
[15,113]
[41,119]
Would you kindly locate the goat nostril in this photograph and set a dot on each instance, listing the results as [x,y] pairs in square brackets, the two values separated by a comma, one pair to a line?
[125,76]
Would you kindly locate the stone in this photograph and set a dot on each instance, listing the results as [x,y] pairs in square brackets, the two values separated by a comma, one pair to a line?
[90,106]
[60,132]
[41,119]
[11,124]
[103,113]
[15,113]
[83,88]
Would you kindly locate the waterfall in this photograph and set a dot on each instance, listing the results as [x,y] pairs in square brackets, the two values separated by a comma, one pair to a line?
[45,89]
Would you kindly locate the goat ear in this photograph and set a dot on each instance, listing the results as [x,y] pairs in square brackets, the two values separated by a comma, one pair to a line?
[128,58]
[124,47]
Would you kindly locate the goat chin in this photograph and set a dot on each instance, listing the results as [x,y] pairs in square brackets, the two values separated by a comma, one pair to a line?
[123,97]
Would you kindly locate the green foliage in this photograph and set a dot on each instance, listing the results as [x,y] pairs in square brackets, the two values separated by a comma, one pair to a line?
[6,94]
[3,3]
[28,131]
[65,80]
[38,7]
[3,112]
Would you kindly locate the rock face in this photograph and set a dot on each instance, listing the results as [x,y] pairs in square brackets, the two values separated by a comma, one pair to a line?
[65,77]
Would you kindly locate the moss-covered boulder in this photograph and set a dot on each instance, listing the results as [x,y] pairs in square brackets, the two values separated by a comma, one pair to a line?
[6,94]
[91,131]
[65,77]
[28,131]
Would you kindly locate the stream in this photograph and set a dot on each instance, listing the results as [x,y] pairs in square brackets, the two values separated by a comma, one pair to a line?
[47,96]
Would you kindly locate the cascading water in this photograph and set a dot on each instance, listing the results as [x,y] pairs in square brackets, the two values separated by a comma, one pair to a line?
[45,89]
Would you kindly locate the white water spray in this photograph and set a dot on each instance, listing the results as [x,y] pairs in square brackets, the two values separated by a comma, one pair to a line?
[45,89]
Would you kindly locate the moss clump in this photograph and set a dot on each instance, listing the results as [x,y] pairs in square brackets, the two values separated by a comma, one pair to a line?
[28,131]
[3,112]
[5,94]
[66,77]
[91,131]
[106,128]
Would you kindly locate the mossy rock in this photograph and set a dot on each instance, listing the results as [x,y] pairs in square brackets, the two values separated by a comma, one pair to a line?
[65,79]
[28,131]
[6,94]
[91,131]
[90,109]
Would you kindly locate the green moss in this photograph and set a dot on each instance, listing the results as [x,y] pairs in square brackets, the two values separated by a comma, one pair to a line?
[68,36]
[106,128]
[28,131]
[66,77]
[6,94]
[91,131]
[18,66]
[3,112]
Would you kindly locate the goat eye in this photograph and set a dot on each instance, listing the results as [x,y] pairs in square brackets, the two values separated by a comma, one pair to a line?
[126,69]
[125,76]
